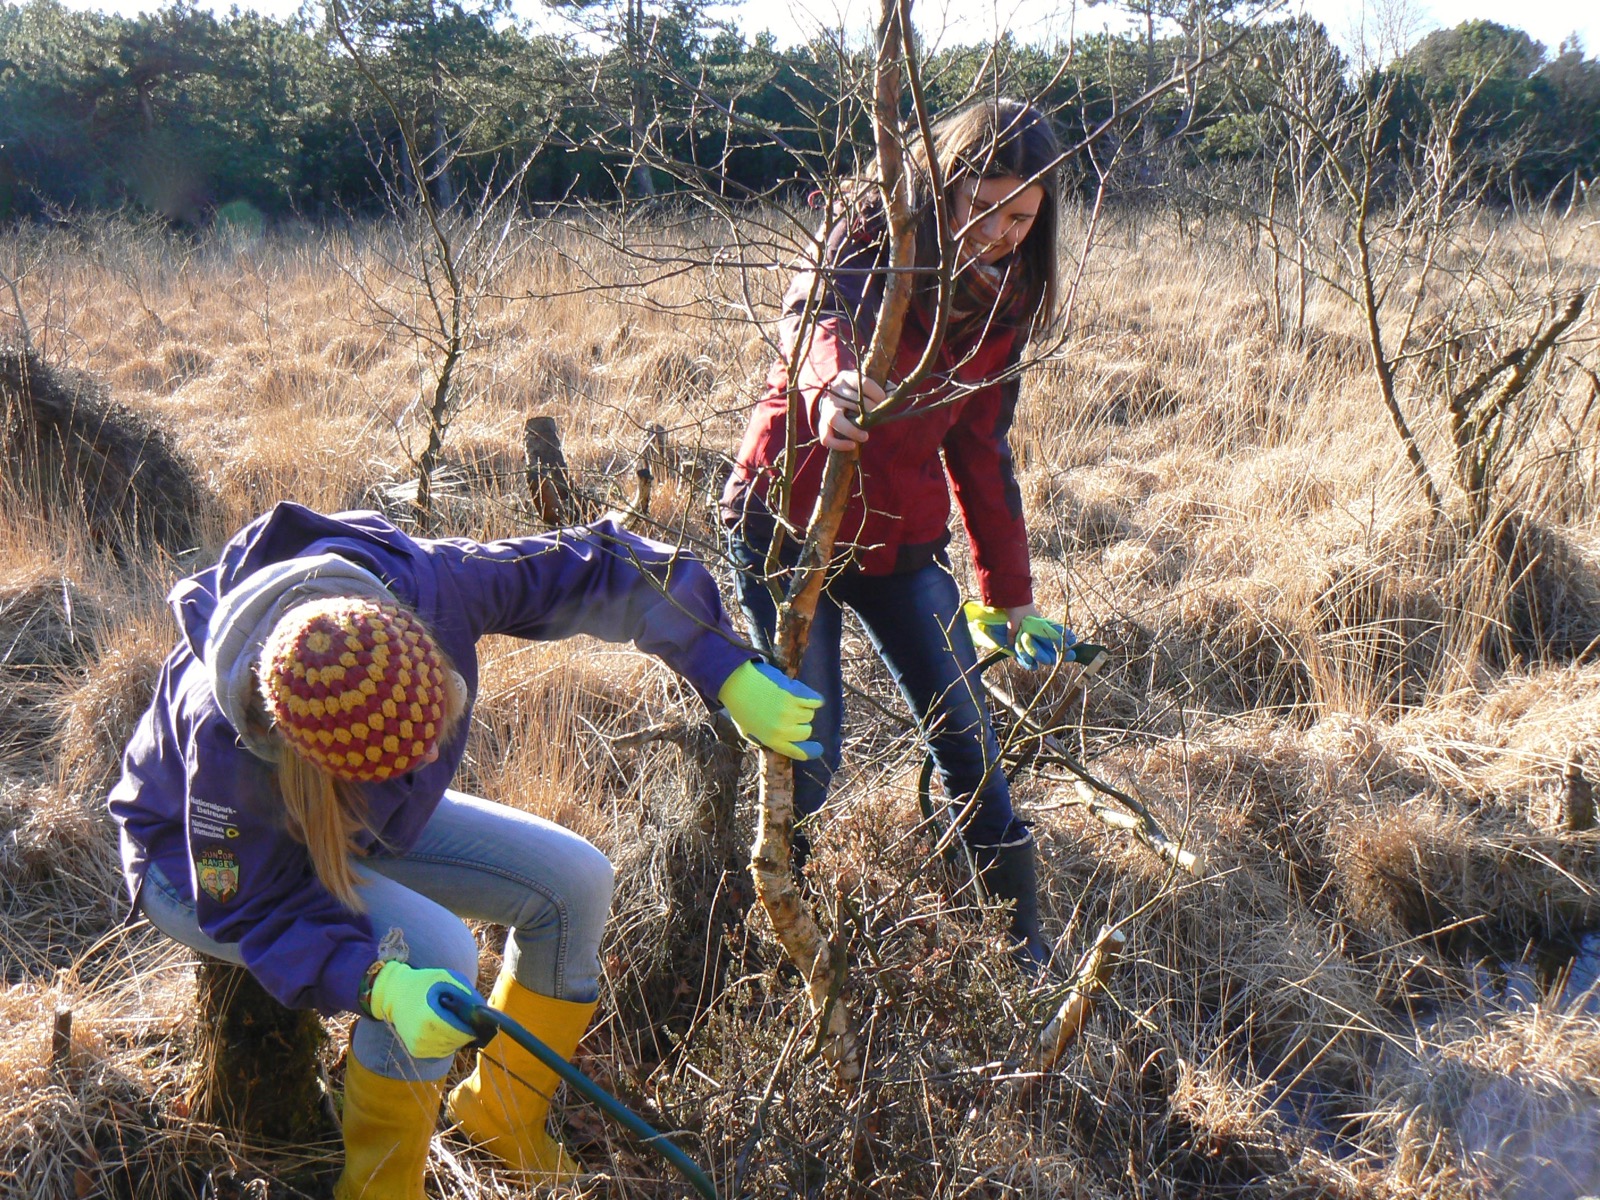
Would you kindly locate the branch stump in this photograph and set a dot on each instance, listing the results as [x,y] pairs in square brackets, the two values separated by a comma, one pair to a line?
[1577,800]
[61,1039]
[549,481]
[257,1067]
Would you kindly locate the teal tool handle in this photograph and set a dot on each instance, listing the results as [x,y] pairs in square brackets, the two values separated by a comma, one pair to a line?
[486,1022]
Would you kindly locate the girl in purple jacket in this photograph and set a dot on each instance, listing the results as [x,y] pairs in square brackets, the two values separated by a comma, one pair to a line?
[285,801]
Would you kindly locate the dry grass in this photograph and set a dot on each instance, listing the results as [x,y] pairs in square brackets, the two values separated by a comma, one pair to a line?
[1361,719]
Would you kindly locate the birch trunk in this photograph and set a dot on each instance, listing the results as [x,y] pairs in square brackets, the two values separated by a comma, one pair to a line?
[823,965]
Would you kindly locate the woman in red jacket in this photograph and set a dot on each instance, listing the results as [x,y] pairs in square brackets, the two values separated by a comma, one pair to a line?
[998,160]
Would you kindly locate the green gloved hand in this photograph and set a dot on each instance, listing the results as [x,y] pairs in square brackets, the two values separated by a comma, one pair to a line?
[406,997]
[770,708]
[1039,643]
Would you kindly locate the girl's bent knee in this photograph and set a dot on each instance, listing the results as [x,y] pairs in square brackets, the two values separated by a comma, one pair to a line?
[462,951]
[589,879]
[447,944]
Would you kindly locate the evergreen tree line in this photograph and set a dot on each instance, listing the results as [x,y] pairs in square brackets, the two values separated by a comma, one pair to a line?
[182,112]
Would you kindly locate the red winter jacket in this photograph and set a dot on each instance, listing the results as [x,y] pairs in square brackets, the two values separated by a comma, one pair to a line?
[898,515]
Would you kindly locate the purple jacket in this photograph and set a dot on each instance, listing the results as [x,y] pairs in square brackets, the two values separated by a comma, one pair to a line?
[192,798]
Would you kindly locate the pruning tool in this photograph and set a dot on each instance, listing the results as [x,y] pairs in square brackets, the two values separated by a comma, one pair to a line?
[485,1022]
[1043,746]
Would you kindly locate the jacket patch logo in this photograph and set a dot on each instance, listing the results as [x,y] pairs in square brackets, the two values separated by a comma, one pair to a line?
[210,820]
[218,873]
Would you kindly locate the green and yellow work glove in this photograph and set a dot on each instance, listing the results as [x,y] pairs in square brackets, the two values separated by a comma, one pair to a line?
[1040,642]
[408,999]
[772,709]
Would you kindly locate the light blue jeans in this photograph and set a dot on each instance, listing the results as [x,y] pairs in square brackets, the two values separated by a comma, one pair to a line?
[474,859]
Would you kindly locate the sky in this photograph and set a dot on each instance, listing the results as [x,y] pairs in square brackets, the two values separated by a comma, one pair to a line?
[1547,21]
[1349,21]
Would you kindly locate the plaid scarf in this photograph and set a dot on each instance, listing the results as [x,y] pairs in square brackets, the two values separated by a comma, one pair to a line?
[983,299]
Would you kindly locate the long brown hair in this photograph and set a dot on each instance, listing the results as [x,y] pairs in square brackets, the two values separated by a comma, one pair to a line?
[997,138]
[326,813]
[991,139]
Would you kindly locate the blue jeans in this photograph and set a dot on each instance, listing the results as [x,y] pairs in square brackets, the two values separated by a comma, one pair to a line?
[914,622]
[474,859]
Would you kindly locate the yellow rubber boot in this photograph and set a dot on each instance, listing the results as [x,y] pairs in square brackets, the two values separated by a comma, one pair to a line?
[504,1105]
[387,1126]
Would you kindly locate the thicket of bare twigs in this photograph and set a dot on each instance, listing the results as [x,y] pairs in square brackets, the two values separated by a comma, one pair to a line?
[1362,717]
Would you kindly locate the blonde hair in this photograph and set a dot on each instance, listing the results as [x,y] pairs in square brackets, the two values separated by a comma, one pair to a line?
[326,813]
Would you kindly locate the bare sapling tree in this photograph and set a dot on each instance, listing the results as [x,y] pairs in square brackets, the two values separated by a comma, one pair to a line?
[820,963]
[1304,65]
[442,261]
[1487,426]
[1431,212]
[760,233]
[770,861]
[1385,211]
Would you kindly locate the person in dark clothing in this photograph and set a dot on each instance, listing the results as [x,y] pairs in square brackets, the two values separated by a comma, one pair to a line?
[998,161]
[285,802]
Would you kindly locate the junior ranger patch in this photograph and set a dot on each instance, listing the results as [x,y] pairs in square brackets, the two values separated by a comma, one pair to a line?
[218,873]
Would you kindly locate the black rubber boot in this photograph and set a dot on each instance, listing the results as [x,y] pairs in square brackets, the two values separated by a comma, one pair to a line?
[1010,872]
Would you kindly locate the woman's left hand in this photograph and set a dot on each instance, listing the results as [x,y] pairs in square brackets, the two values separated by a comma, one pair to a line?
[839,407]
[1036,640]
[770,708]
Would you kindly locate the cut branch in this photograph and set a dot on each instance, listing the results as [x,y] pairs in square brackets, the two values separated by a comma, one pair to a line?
[1151,836]
[1577,796]
[1094,971]
[549,483]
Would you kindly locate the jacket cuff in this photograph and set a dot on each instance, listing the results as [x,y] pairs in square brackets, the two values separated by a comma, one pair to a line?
[711,661]
[1005,591]
[830,353]
[344,973]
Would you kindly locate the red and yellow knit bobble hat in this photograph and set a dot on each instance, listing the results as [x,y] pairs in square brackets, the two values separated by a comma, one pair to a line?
[356,686]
